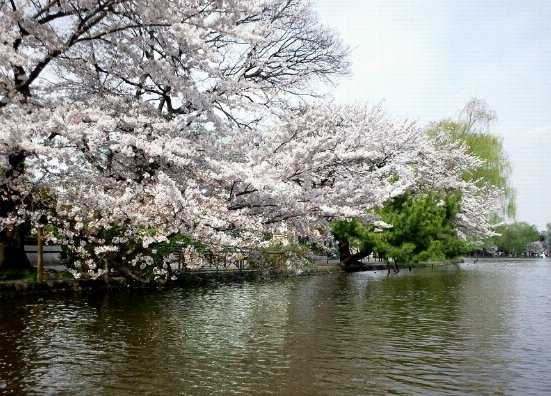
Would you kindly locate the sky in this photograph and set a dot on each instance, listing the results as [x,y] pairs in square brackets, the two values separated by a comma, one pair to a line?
[426,58]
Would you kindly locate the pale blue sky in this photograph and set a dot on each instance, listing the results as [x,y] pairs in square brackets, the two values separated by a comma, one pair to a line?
[427,58]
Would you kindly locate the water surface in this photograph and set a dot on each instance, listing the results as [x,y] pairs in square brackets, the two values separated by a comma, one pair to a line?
[483,328]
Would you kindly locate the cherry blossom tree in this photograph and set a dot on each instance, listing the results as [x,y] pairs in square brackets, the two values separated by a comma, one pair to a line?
[128,126]
[210,69]
[342,162]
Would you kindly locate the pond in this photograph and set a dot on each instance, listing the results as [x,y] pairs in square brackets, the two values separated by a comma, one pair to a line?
[480,328]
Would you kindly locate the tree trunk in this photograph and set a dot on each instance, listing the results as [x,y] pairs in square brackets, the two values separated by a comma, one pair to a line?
[12,250]
[396,267]
[128,274]
[12,241]
[106,274]
[350,262]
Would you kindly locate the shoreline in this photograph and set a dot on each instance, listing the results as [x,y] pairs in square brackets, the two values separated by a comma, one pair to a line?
[14,288]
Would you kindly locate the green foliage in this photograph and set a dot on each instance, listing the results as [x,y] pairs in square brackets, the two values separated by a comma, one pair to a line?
[403,253]
[422,229]
[14,274]
[360,236]
[514,238]
[471,130]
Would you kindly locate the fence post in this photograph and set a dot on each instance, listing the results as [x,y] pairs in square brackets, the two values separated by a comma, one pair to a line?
[40,255]
[106,270]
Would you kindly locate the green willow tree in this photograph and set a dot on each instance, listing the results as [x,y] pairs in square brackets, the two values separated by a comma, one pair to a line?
[472,129]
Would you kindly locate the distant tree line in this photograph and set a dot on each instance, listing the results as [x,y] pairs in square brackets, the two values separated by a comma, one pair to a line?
[515,239]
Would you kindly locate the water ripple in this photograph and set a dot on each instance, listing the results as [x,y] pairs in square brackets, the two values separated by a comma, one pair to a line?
[481,329]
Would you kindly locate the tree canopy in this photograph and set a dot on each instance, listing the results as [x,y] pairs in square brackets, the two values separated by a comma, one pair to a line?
[412,228]
[514,238]
[422,228]
[472,129]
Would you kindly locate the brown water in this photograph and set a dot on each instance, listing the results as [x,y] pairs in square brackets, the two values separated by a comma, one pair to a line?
[481,329]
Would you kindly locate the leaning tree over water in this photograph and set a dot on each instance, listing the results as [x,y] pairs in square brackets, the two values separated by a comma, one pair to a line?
[129,123]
